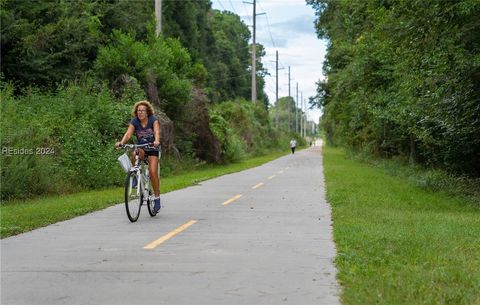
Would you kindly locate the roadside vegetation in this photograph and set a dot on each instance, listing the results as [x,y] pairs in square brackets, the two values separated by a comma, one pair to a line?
[63,142]
[72,71]
[400,240]
[402,82]
[403,79]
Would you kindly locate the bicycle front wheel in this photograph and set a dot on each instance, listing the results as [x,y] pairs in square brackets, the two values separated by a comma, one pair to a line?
[133,196]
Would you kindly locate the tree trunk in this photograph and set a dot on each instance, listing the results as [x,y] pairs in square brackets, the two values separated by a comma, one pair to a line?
[151,89]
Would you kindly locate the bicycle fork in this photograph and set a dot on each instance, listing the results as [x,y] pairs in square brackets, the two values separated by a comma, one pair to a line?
[143,184]
[146,189]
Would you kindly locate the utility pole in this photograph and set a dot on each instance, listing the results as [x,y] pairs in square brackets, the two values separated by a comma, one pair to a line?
[254,51]
[276,91]
[254,55]
[301,118]
[158,14]
[289,95]
[289,81]
[296,112]
[305,120]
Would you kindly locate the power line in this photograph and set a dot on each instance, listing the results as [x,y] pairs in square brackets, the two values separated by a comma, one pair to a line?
[232,77]
[271,36]
[269,89]
[246,13]
[268,27]
[220,2]
[233,7]
[267,85]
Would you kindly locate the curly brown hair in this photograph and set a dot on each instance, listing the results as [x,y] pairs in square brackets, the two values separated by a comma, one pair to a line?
[145,103]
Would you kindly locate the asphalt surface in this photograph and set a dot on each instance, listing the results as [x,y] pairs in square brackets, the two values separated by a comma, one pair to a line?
[261,236]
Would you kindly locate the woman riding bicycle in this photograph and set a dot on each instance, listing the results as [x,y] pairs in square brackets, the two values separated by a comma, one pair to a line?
[147,130]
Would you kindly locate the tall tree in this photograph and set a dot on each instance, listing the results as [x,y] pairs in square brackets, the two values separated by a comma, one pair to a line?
[128,16]
[46,42]
[229,60]
[403,78]
[187,21]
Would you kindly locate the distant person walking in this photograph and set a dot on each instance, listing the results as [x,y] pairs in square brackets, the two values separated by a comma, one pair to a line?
[293,145]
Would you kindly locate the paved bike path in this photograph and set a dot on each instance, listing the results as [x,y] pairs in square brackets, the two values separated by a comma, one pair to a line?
[271,245]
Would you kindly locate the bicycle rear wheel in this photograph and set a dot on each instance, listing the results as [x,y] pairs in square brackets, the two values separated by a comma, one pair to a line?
[133,196]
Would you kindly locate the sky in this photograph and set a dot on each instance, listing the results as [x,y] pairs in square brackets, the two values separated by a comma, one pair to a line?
[287,27]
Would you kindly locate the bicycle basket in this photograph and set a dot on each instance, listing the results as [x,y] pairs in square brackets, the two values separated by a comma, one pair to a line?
[125,162]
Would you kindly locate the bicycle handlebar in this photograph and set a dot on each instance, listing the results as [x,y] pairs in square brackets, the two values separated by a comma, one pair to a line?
[134,146]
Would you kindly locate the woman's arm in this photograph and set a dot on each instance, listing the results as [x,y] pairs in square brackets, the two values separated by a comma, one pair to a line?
[156,133]
[127,135]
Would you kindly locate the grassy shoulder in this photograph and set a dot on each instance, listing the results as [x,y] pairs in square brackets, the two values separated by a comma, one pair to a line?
[398,243]
[22,216]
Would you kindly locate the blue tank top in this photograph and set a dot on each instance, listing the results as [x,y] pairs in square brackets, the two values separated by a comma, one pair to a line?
[144,135]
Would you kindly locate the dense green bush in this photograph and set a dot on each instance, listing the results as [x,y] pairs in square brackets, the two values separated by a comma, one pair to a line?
[244,129]
[162,66]
[61,142]
[232,147]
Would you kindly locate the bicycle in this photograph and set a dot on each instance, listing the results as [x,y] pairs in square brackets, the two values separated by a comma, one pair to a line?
[137,184]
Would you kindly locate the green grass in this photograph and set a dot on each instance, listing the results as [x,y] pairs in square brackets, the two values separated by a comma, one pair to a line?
[22,216]
[398,243]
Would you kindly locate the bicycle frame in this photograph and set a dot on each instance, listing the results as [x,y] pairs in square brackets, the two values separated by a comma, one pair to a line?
[140,170]
[142,174]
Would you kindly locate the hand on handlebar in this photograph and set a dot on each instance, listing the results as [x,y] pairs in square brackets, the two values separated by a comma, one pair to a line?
[154,145]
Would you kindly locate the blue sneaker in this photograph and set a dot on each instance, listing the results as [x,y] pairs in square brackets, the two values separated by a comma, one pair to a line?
[156,206]
[134,182]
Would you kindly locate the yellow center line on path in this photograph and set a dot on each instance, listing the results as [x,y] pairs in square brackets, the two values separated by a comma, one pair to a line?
[271,177]
[232,199]
[257,185]
[169,235]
